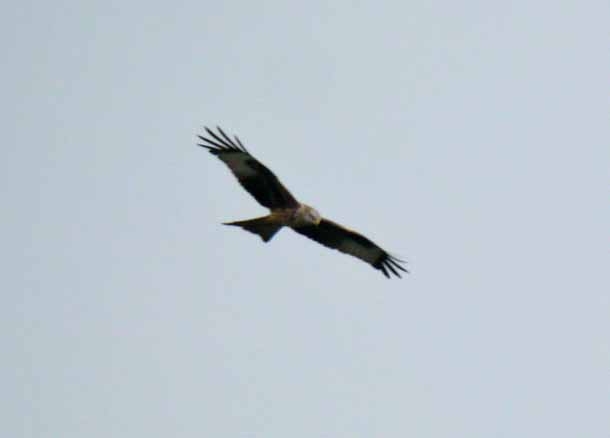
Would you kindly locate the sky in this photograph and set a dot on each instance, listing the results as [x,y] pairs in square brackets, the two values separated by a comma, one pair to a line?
[469,138]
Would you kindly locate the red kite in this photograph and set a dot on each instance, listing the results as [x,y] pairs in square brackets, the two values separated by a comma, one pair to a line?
[286,211]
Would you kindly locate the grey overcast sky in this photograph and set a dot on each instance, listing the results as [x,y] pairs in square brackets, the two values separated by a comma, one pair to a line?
[470,137]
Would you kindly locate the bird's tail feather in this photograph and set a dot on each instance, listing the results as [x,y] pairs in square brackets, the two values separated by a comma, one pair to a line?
[264,226]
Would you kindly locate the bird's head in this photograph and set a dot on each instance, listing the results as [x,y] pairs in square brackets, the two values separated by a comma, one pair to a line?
[311,215]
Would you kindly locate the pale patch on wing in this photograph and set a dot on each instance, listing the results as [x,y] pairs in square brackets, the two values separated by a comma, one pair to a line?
[350,246]
[238,163]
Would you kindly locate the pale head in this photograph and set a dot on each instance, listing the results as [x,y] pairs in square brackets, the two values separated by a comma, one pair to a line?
[309,215]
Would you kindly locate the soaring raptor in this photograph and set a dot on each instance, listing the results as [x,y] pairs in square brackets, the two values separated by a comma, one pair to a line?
[286,211]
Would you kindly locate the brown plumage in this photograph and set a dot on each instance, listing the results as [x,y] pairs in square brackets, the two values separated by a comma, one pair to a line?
[286,211]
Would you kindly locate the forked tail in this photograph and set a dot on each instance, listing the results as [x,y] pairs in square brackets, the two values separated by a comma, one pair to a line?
[264,226]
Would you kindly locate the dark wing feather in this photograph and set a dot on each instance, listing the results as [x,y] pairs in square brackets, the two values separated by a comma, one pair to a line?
[349,242]
[257,179]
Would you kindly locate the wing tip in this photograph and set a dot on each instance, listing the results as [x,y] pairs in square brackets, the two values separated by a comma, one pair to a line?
[389,264]
[220,142]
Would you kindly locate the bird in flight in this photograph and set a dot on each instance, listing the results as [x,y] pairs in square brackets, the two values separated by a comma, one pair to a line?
[286,211]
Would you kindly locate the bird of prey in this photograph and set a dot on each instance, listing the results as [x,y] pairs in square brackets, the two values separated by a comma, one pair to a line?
[286,211]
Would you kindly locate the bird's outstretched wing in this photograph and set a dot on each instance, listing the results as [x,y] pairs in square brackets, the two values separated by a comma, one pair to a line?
[257,179]
[349,242]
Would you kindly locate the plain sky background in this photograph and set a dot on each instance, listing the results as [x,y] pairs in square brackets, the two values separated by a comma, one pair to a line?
[470,137]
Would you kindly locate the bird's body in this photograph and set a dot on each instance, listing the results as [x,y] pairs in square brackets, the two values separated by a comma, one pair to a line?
[300,216]
[286,211]
[266,226]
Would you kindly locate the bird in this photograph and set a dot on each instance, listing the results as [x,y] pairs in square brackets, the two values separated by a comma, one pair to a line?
[286,211]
